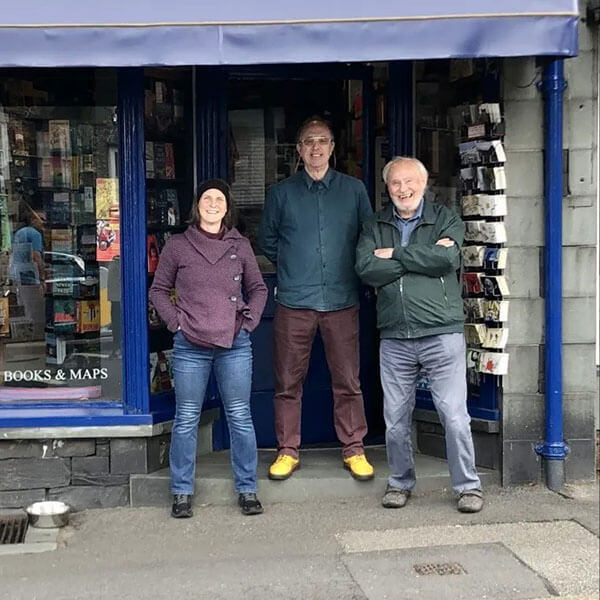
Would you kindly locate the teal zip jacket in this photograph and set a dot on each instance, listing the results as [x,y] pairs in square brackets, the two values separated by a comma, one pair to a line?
[309,230]
[418,290]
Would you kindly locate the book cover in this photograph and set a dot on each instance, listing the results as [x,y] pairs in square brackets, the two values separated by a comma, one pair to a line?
[473,256]
[4,316]
[161,381]
[150,174]
[493,233]
[59,137]
[64,317]
[494,363]
[494,286]
[496,337]
[56,349]
[495,311]
[60,209]
[152,252]
[475,333]
[61,171]
[490,205]
[473,358]
[171,202]
[163,116]
[107,219]
[88,316]
[169,161]
[161,239]
[473,308]
[86,242]
[474,231]
[61,240]
[159,161]
[472,283]
[154,321]
[494,259]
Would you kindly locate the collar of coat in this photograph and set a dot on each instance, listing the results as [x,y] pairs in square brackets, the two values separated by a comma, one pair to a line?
[212,250]
[387,214]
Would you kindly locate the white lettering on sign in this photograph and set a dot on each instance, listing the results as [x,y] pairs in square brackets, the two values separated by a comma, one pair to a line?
[60,375]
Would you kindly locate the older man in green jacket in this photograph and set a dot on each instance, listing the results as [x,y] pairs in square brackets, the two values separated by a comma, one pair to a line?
[309,230]
[410,252]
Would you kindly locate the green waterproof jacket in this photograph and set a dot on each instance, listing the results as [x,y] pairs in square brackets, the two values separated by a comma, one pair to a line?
[418,290]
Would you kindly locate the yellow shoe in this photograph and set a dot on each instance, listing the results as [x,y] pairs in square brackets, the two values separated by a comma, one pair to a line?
[359,467]
[283,467]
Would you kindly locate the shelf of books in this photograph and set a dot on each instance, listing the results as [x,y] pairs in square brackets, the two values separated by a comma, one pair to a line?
[169,189]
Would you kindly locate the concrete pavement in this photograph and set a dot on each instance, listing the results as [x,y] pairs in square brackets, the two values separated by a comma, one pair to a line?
[527,543]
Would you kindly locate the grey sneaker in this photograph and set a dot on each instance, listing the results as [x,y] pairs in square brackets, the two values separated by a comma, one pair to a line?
[470,501]
[395,497]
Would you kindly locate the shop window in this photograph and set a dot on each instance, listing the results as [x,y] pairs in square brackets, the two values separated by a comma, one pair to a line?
[169,153]
[59,238]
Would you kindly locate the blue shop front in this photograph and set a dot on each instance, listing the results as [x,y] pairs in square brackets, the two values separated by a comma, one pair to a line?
[107,123]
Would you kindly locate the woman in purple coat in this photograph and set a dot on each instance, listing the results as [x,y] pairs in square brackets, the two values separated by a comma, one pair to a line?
[211,266]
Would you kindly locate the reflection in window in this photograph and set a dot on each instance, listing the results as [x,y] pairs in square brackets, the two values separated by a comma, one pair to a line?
[59,239]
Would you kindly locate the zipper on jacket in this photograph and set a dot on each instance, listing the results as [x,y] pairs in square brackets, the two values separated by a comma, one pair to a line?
[444,290]
[403,307]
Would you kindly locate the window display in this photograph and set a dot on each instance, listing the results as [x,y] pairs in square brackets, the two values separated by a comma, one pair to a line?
[59,240]
[169,191]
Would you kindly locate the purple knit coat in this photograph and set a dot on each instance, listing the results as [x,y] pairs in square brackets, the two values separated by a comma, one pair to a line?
[208,276]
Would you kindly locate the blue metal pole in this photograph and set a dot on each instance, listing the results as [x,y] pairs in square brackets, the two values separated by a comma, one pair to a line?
[553,449]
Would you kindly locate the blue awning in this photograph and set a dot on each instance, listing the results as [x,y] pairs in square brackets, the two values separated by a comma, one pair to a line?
[182,32]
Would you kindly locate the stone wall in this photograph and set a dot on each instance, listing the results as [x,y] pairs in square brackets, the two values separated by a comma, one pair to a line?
[84,473]
[523,399]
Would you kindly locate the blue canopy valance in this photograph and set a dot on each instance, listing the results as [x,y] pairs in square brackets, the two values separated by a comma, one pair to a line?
[180,32]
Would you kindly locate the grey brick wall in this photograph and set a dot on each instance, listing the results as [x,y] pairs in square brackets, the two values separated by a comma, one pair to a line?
[523,400]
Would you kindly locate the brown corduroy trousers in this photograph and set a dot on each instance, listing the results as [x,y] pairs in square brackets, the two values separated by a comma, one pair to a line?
[294,332]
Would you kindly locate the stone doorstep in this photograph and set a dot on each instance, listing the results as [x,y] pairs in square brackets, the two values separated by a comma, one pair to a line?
[37,539]
[321,476]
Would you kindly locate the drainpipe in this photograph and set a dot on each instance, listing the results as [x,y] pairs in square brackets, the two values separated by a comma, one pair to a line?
[553,450]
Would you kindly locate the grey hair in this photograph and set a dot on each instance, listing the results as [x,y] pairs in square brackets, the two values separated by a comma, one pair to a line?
[405,159]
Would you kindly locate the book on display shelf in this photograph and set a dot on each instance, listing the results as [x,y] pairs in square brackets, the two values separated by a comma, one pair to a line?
[495,311]
[472,256]
[494,363]
[495,337]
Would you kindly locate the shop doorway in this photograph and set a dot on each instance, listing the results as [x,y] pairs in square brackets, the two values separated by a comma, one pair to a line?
[262,111]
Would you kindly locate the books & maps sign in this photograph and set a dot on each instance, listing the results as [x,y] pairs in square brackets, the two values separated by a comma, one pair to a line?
[41,375]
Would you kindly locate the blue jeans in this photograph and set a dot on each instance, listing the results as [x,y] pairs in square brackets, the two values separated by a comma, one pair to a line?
[192,366]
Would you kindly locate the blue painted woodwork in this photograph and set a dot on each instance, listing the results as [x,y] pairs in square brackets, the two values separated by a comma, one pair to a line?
[132,188]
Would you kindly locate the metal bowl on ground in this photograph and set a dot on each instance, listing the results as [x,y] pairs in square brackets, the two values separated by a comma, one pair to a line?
[48,514]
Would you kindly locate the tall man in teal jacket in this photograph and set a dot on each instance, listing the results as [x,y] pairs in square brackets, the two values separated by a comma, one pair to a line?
[410,252]
[309,230]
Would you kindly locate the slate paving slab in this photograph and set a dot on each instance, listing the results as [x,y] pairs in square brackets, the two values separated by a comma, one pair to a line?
[458,572]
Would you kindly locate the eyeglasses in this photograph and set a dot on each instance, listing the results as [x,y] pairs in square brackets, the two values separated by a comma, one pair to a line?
[312,141]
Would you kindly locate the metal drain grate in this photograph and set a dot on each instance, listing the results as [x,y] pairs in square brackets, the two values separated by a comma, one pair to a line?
[13,529]
[439,569]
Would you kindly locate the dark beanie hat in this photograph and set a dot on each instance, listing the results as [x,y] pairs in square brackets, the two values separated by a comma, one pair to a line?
[217,184]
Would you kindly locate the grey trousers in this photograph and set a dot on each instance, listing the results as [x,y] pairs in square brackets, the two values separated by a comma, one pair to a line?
[442,358]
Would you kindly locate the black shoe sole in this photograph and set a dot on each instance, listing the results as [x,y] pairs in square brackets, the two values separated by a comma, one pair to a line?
[283,477]
[182,515]
[359,477]
[253,511]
